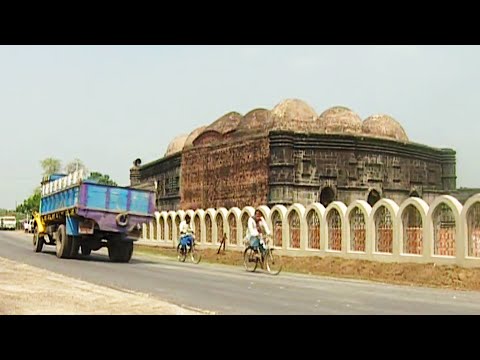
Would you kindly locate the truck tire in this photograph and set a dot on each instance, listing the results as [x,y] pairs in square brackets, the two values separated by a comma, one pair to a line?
[63,243]
[38,241]
[120,251]
[75,241]
[85,250]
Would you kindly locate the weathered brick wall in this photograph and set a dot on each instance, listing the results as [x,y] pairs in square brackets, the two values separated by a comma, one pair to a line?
[167,173]
[233,173]
[286,168]
[449,169]
[168,191]
[134,176]
[301,166]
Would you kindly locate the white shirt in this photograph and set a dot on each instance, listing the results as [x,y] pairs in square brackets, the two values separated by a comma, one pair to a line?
[252,227]
[185,228]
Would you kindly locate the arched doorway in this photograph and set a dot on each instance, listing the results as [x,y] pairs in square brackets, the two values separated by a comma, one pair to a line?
[327,195]
[373,197]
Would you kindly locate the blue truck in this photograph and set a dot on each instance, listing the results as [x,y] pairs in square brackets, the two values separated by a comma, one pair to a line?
[77,214]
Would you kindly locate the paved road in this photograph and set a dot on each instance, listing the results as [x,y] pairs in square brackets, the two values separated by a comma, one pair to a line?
[231,290]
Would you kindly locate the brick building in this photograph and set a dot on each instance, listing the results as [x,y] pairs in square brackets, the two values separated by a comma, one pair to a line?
[290,154]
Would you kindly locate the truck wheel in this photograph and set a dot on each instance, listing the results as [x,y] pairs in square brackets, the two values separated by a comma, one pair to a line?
[63,243]
[75,244]
[128,251]
[120,251]
[38,242]
[85,250]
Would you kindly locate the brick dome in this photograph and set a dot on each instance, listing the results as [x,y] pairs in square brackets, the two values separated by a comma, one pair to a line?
[340,120]
[193,135]
[384,126]
[294,115]
[293,110]
[257,120]
[176,145]
[226,123]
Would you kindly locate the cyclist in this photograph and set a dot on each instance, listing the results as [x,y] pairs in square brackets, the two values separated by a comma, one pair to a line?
[256,230]
[186,233]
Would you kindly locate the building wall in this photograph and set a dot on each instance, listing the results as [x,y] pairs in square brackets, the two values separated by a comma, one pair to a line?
[286,167]
[463,194]
[166,172]
[301,166]
[228,174]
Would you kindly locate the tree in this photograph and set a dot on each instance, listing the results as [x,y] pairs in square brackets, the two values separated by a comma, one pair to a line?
[50,166]
[31,204]
[102,179]
[75,165]
[6,212]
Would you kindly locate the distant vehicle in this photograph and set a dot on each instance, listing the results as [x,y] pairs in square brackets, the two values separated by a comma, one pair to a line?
[8,223]
[79,214]
[28,226]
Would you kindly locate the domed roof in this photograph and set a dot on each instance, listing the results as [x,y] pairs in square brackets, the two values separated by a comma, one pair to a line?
[226,123]
[176,145]
[294,115]
[340,119]
[257,120]
[193,135]
[385,126]
[293,110]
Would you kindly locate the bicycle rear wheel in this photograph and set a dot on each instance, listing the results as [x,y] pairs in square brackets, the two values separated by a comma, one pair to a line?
[250,260]
[195,255]
[273,262]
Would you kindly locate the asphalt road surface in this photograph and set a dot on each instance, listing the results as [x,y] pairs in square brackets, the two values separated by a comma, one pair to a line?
[231,290]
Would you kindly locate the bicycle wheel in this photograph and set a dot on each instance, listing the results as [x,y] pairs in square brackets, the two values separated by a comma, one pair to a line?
[181,253]
[273,262]
[195,255]
[250,260]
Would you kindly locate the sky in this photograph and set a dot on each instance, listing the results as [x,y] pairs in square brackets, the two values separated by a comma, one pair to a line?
[108,105]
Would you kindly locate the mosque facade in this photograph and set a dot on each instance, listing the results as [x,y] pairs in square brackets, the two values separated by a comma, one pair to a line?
[290,154]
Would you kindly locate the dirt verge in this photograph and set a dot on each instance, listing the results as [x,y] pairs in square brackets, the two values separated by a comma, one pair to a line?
[27,290]
[444,276]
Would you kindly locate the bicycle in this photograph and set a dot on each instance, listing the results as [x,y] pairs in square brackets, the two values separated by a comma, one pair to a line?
[252,258]
[184,250]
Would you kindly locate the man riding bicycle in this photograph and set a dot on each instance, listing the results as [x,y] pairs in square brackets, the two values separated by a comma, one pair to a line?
[186,232]
[257,228]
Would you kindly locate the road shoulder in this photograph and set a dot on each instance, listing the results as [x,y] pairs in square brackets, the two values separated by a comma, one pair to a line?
[28,290]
